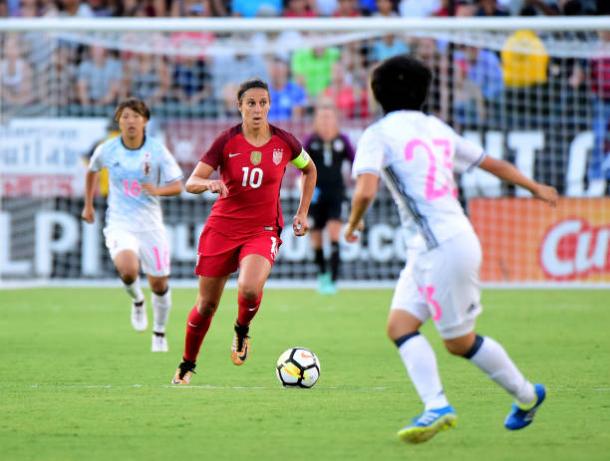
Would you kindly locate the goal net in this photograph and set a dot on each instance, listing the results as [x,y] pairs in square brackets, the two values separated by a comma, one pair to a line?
[533,92]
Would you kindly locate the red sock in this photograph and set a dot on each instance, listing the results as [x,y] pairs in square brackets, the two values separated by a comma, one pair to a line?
[196,328]
[247,309]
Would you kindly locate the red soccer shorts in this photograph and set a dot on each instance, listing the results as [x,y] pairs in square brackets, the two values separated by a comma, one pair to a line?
[218,255]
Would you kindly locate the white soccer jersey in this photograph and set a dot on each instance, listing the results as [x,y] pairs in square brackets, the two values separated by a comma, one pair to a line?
[129,206]
[416,155]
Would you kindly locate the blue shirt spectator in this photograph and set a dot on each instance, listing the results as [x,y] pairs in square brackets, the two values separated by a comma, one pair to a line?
[288,99]
[250,8]
[284,100]
[387,47]
[485,70]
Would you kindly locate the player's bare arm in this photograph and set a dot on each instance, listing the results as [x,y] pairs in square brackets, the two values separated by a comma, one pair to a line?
[509,173]
[308,184]
[173,188]
[199,181]
[88,213]
[365,192]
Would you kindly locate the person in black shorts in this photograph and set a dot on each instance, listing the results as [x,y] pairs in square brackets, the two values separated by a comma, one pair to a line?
[328,148]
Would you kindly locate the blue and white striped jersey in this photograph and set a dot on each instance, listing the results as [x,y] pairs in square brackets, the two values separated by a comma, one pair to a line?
[416,155]
[129,206]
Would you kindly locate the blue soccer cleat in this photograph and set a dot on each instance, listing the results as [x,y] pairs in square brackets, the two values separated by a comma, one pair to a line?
[426,425]
[520,416]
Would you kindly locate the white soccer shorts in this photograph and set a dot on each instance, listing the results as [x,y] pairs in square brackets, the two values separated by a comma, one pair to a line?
[151,247]
[443,284]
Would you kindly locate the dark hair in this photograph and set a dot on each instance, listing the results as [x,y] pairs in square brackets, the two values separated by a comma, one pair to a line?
[401,83]
[249,84]
[137,105]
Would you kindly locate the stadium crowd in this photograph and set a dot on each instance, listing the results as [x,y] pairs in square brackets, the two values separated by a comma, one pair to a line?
[474,87]
[293,8]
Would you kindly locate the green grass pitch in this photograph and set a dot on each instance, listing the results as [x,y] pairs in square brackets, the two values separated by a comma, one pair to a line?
[76,383]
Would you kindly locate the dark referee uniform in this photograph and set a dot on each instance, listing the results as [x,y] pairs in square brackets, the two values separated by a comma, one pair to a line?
[330,188]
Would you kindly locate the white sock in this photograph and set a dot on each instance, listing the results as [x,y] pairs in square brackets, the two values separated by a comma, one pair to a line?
[420,362]
[134,290]
[161,307]
[493,360]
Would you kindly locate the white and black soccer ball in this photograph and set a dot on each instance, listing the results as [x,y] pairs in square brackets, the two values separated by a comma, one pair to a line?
[298,367]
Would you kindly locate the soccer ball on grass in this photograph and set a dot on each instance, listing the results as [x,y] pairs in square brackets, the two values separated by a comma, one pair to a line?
[298,367]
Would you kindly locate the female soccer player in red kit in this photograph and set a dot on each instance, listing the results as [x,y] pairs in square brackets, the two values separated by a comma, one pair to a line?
[244,226]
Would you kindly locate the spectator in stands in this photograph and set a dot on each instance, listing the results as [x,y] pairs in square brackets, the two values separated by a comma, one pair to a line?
[190,80]
[581,7]
[468,103]
[438,98]
[465,8]
[100,8]
[184,8]
[219,8]
[59,91]
[542,7]
[485,71]
[288,99]
[347,94]
[347,9]
[3,9]
[325,7]
[278,44]
[28,9]
[385,9]
[24,8]
[16,81]
[99,78]
[490,8]
[70,8]
[229,70]
[146,77]
[525,73]
[367,7]
[599,75]
[388,46]
[417,8]
[312,68]
[191,42]
[444,9]
[252,8]
[298,9]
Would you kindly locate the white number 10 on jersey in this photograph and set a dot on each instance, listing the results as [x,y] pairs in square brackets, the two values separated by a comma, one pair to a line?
[252,177]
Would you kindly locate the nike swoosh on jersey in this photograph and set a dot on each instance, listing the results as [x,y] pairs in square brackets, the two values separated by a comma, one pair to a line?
[234,155]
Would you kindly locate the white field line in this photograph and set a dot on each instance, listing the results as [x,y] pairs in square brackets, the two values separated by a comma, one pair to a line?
[196,387]
[213,387]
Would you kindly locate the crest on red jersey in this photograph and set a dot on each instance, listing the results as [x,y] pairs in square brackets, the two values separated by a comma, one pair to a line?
[277,156]
[256,157]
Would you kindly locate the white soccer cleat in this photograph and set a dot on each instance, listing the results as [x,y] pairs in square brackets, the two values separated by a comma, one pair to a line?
[139,319]
[159,343]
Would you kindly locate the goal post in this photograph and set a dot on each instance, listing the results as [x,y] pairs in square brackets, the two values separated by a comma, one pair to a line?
[533,91]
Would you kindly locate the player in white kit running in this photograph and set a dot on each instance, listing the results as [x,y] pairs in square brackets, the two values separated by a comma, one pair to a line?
[140,170]
[416,155]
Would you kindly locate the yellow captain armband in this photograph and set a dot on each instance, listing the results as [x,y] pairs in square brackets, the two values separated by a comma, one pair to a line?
[302,160]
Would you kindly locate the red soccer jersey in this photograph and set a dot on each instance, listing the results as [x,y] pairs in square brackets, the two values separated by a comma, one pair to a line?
[253,176]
